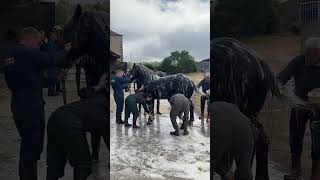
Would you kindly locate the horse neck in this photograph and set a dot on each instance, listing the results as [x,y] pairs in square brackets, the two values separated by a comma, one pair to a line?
[148,75]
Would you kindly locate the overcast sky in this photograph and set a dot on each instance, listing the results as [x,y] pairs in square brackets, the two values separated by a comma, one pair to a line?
[152,29]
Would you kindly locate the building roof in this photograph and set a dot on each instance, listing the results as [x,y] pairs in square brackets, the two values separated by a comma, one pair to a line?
[206,60]
[112,33]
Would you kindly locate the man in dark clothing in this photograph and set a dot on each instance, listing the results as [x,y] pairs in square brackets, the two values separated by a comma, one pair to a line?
[205,84]
[24,78]
[67,127]
[306,73]
[131,107]
[234,135]
[179,104]
[118,81]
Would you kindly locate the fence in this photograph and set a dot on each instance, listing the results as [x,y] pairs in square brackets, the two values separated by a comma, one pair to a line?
[309,11]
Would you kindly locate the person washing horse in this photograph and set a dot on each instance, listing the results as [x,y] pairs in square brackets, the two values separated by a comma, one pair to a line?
[131,107]
[165,87]
[118,82]
[179,105]
[305,70]
[205,86]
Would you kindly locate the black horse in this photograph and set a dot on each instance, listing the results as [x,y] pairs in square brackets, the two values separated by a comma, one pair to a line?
[240,76]
[90,35]
[164,87]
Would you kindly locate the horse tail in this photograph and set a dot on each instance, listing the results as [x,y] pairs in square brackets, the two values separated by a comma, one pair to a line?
[195,87]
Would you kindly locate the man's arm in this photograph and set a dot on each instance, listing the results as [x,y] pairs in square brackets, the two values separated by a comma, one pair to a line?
[199,84]
[285,75]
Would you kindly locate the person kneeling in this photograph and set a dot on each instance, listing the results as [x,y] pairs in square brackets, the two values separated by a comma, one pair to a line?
[131,107]
[179,104]
[67,127]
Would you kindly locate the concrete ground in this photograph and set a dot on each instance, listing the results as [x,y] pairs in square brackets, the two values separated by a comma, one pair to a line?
[10,140]
[151,153]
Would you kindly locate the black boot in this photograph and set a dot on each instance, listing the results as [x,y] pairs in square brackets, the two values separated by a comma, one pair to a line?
[175,133]
[118,118]
[126,123]
[28,170]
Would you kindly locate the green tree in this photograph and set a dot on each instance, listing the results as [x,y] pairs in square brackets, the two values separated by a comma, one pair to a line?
[62,9]
[179,62]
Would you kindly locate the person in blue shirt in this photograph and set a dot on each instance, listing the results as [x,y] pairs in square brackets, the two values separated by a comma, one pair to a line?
[53,72]
[118,82]
[205,85]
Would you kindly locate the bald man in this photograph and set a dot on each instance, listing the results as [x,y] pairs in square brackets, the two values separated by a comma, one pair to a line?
[305,69]
[24,78]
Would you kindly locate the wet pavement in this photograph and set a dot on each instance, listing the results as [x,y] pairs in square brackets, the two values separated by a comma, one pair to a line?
[151,153]
[10,140]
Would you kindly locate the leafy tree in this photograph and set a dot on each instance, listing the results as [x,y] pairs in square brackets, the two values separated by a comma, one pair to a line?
[244,17]
[179,62]
[62,12]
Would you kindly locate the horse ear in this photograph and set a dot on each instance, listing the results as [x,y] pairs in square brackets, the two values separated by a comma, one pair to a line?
[78,12]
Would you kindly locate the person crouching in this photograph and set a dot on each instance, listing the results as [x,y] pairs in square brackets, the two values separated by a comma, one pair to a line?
[66,130]
[131,106]
[179,104]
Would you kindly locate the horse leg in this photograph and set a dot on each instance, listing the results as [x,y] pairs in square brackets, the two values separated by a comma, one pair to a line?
[158,106]
[191,112]
[262,148]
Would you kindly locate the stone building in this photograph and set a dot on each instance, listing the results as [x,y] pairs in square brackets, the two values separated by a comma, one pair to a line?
[116,44]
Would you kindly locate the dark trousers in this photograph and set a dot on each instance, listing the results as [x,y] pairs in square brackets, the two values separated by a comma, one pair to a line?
[52,86]
[131,108]
[30,123]
[119,99]
[203,100]
[298,120]
[31,131]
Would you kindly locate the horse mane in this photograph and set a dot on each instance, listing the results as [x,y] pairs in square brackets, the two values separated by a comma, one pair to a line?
[241,76]
[147,74]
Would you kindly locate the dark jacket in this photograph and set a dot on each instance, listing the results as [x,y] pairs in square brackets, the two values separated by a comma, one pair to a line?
[305,77]
[204,84]
[25,78]
[118,84]
[138,98]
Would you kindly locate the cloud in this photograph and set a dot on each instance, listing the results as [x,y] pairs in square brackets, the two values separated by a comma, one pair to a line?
[152,29]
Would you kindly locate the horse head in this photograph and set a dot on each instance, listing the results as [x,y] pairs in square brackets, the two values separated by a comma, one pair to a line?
[89,34]
[142,73]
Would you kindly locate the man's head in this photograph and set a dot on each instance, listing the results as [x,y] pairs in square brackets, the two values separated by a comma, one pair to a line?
[118,73]
[30,37]
[312,51]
